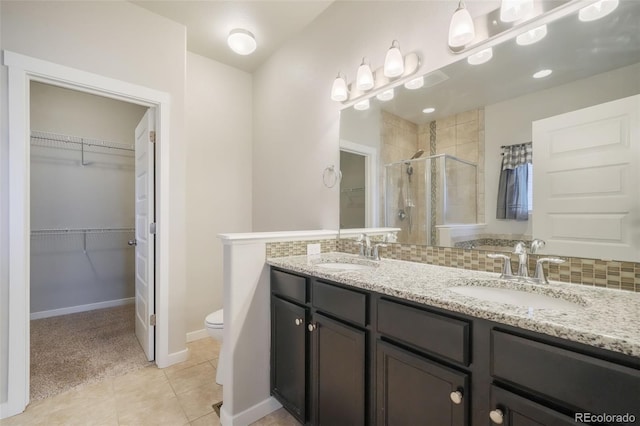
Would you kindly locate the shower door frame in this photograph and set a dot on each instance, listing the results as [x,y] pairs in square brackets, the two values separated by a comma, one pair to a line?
[22,70]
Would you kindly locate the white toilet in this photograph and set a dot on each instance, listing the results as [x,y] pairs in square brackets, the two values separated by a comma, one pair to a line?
[215,327]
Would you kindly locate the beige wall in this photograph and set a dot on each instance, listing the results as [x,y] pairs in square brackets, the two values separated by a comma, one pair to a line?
[117,40]
[218,123]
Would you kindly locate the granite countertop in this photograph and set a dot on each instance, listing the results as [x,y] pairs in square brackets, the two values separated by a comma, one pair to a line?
[603,318]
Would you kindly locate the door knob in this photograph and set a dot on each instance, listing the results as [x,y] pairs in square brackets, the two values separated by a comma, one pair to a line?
[456,397]
[299,321]
[132,242]
[311,327]
[496,416]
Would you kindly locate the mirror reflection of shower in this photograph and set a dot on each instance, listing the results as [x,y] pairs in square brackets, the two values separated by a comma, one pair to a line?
[405,209]
[423,193]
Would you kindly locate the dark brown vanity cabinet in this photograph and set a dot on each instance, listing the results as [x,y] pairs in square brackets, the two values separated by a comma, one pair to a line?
[352,357]
[318,350]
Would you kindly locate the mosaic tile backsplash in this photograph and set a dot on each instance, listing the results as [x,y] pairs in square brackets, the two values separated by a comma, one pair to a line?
[591,272]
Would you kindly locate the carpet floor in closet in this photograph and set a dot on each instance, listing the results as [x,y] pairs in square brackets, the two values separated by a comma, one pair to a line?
[76,349]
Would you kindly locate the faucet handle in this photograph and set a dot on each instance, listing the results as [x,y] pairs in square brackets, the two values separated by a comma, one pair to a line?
[537,244]
[506,267]
[520,248]
[539,274]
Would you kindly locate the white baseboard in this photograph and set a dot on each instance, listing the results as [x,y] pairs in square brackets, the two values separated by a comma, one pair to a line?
[197,335]
[174,358]
[251,414]
[81,308]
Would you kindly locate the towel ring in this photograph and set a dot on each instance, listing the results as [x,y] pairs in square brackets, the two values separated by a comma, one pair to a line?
[331,176]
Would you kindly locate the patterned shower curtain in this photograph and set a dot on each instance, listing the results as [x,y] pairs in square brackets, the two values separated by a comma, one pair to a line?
[513,186]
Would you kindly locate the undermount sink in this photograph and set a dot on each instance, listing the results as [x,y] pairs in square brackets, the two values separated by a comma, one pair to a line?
[344,266]
[516,297]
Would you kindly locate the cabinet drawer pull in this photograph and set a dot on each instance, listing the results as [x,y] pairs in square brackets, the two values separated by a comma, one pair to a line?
[456,397]
[299,321]
[311,327]
[496,416]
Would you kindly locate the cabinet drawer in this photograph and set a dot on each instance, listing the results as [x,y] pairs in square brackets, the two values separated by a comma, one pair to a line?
[518,411]
[289,285]
[346,304]
[427,331]
[579,382]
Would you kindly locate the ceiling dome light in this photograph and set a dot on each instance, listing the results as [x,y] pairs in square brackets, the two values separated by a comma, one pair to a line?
[394,62]
[542,74]
[362,105]
[385,96]
[597,10]
[428,110]
[241,41]
[364,78]
[532,36]
[339,90]
[481,57]
[461,29]
[515,10]
[414,84]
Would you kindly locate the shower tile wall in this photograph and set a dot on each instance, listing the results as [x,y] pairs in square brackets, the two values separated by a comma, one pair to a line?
[462,135]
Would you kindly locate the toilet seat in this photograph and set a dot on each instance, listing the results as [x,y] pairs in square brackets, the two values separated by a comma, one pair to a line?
[214,319]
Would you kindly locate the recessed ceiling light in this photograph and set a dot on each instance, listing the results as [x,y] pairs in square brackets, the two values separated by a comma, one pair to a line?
[428,110]
[542,74]
[414,84]
[481,57]
[387,95]
[241,41]
[362,105]
[597,10]
[532,36]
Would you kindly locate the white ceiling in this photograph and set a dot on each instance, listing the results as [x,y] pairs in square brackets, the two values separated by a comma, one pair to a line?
[209,22]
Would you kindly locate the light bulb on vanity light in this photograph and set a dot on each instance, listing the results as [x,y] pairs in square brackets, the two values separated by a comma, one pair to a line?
[532,36]
[481,57]
[339,90]
[394,62]
[385,96]
[364,78]
[362,105]
[597,10]
[414,84]
[461,28]
[515,10]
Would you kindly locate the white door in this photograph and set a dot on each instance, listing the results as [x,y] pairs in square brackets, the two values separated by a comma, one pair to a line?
[145,240]
[586,181]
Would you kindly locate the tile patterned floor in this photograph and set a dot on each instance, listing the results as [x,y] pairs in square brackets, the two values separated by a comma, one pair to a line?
[179,395]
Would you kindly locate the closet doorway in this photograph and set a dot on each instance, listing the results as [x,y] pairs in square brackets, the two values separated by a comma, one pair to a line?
[92,191]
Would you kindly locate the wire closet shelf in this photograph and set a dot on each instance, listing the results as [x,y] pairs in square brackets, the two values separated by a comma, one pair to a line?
[54,140]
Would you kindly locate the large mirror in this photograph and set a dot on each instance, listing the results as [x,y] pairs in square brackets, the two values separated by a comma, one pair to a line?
[430,161]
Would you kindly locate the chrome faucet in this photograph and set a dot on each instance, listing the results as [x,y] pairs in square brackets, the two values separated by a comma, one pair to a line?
[368,250]
[520,249]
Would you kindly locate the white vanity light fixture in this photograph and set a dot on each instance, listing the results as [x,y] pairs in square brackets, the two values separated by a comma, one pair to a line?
[414,84]
[532,36]
[385,96]
[597,10]
[362,105]
[515,10]
[242,41]
[461,28]
[394,62]
[339,91]
[481,57]
[428,110]
[542,73]
[364,78]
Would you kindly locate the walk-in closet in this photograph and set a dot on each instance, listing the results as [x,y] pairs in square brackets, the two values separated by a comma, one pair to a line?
[82,264]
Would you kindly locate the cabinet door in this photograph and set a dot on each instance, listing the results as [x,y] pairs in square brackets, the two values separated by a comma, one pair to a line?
[338,360]
[412,390]
[288,355]
[515,410]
